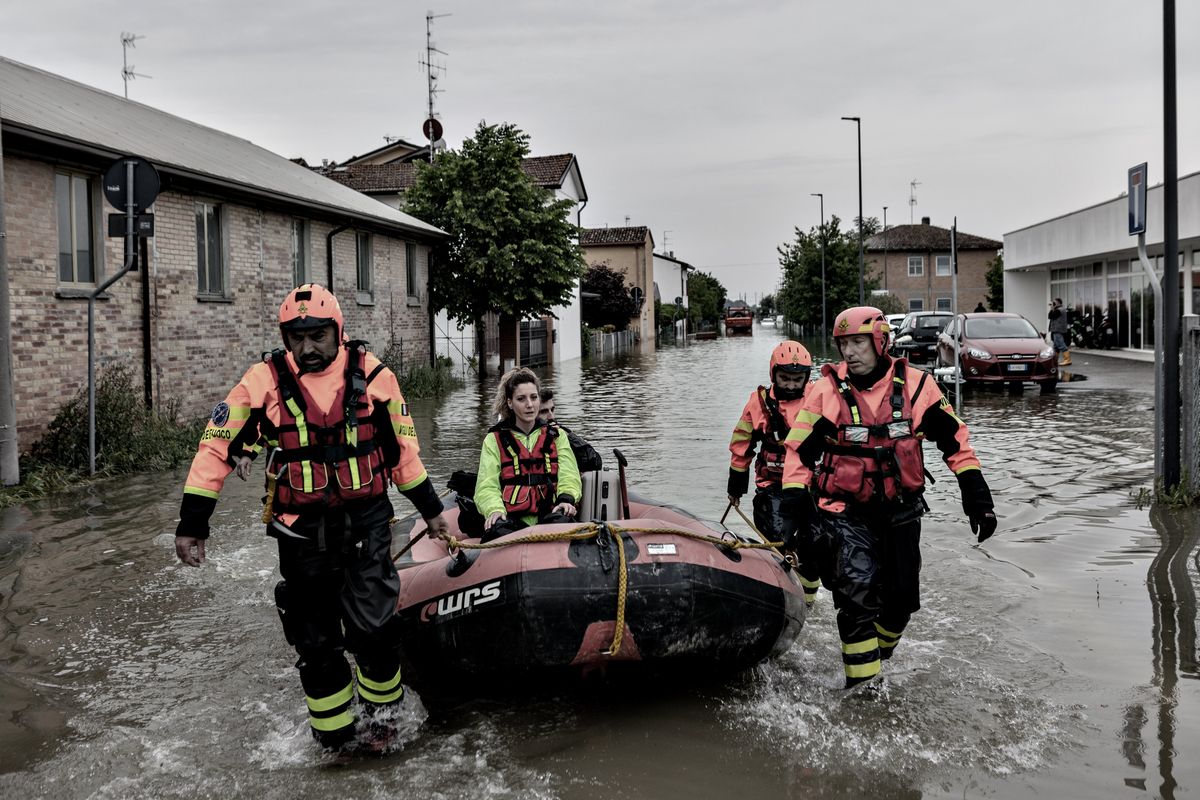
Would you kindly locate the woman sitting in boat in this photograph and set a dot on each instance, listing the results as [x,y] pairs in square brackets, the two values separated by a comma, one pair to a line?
[527,472]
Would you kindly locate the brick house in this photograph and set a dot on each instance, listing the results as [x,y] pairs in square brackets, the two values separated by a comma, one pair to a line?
[389,171]
[236,227]
[629,251]
[913,263]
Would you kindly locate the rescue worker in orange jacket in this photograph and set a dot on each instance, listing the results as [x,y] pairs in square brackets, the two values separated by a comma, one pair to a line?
[339,431]
[764,426]
[855,446]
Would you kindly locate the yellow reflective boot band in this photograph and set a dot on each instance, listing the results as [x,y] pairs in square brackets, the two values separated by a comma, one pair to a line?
[376,692]
[331,702]
[334,723]
[862,670]
[865,646]
[302,433]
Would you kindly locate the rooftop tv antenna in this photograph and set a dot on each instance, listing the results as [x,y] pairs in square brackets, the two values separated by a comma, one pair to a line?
[433,70]
[912,198]
[127,73]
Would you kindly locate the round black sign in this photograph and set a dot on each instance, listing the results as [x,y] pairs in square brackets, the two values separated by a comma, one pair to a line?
[145,183]
[432,129]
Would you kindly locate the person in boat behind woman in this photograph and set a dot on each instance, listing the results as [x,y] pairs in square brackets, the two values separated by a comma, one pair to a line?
[527,472]
[586,457]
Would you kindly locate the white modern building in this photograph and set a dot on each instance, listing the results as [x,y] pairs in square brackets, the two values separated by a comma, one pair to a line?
[1088,258]
[670,287]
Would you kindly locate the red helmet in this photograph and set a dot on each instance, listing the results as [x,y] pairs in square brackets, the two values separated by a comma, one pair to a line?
[863,320]
[792,358]
[310,306]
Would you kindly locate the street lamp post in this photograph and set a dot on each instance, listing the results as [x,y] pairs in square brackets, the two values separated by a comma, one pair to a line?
[824,325]
[861,273]
[885,248]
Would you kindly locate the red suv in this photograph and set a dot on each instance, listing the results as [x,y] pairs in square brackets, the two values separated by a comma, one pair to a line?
[999,348]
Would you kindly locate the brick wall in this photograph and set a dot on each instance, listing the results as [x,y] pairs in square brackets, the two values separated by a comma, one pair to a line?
[972,281]
[200,348]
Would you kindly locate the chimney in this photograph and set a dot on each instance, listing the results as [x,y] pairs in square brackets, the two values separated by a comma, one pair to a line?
[924,220]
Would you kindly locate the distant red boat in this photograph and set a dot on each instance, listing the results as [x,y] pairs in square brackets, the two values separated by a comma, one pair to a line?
[739,321]
[690,605]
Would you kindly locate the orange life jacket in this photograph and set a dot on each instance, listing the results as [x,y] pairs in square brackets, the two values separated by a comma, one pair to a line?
[528,478]
[768,465]
[873,458]
[325,459]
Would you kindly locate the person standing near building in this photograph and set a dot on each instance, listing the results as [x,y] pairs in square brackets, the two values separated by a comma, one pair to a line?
[1059,330]
[341,432]
[764,425]
[856,448]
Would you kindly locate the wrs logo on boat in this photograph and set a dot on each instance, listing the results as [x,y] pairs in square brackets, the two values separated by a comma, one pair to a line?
[453,605]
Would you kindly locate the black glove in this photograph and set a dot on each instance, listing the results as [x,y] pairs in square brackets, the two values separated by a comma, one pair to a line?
[798,508]
[977,503]
[739,482]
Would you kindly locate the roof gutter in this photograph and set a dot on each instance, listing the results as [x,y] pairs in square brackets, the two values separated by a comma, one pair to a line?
[329,254]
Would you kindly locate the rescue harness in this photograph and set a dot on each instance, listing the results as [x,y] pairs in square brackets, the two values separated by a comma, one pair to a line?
[768,465]
[528,477]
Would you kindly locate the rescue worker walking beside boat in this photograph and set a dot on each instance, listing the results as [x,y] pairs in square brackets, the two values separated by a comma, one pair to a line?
[341,431]
[856,447]
[527,471]
[764,425]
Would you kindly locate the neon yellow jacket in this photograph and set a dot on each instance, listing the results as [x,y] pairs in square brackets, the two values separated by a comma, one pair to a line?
[487,485]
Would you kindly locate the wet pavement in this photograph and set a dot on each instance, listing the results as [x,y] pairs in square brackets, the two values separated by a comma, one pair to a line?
[1057,660]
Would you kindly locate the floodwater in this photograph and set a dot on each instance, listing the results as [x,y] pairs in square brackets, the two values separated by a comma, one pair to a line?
[1059,660]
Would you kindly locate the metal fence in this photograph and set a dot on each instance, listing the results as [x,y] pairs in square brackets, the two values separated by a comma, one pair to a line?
[606,344]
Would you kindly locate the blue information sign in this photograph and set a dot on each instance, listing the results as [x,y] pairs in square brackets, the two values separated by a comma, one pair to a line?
[1137,199]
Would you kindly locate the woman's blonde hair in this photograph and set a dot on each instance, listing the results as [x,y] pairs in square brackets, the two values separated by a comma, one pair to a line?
[508,384]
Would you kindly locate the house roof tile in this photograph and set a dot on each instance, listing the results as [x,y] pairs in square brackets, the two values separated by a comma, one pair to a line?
[602,236]
[926,237]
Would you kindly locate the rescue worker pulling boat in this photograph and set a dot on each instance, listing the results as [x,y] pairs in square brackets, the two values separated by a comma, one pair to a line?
[855,447]
[339,430]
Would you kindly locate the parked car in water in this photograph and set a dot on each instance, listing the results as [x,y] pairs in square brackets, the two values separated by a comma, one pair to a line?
[916,339]
[999,348]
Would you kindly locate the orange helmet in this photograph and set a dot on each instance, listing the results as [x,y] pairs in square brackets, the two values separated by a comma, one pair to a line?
[863,320]
[792,358]
[310,306]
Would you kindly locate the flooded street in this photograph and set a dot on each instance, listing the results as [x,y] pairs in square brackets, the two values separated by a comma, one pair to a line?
[1059,660]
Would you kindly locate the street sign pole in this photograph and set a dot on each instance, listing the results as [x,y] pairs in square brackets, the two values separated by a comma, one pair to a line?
[1137,227]
[954,306]
[132,184]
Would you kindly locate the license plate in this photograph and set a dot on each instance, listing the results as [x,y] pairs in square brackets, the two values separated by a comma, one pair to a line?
[1018,368]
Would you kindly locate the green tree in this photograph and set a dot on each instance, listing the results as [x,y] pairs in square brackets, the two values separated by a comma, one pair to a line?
[511,247]
[613,304]
[766,306]
[995,282]
[799,297]
[706,298]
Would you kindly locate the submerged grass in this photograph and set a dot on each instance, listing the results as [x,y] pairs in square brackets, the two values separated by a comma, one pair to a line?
[129,438]
[418,379]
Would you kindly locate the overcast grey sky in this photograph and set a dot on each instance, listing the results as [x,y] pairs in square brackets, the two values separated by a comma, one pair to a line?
[711,120]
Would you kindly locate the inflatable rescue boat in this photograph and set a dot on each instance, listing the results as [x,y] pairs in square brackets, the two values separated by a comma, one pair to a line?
[636,587]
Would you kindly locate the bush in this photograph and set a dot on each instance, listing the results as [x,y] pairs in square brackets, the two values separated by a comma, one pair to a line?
[129,438]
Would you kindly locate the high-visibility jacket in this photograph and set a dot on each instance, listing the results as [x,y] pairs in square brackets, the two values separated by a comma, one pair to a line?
[875,454]
[824,408]
[254,411]
[528,475]
[491,493]
[763,425]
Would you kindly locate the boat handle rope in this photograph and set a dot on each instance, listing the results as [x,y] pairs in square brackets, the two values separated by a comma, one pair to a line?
[776,546]
[590,531]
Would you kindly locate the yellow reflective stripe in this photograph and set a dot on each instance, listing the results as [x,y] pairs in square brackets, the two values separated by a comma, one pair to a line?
[795,485]
[372,697]
[810,417]
[410,484]
[855,415]
[882,630]
[239,412]
[737,469]
[855,648]
[807,584]
[352,440]
[201,492]
[796,434]
[743,425]
[302,434]
[336,722]
[738,436]
[332,701]
[967,468]
[862,670]
[385,686]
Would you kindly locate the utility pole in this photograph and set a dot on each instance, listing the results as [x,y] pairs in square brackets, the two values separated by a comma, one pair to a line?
[127,69]
[433,71]
[1170,277]
[885,248]
[824,309]
[862,299]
